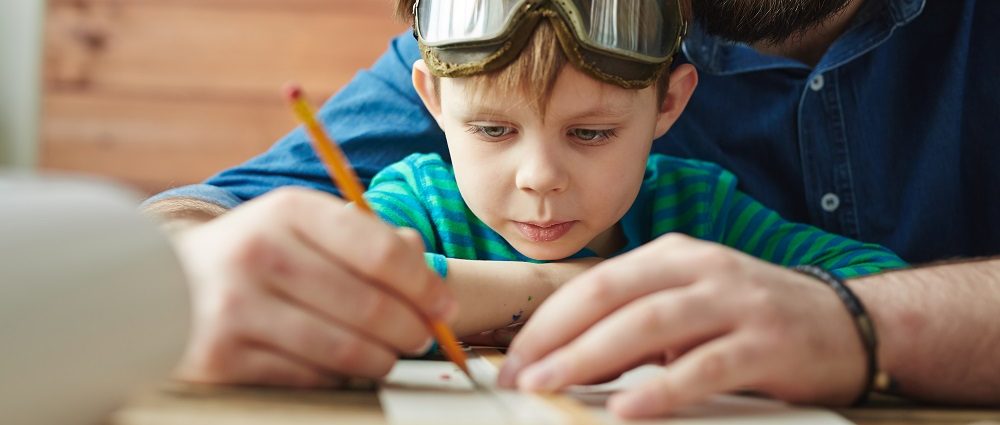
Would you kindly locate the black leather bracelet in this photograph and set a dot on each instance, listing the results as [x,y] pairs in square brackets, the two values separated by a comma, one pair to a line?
[875,379]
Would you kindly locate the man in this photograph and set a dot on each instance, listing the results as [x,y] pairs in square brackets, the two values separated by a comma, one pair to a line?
[870,119]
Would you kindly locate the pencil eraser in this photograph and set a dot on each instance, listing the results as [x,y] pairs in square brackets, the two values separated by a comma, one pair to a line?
[293,91]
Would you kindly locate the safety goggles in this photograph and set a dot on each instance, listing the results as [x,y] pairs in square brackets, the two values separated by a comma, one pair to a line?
[624,42]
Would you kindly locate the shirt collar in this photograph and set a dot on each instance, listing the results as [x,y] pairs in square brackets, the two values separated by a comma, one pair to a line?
[874,23]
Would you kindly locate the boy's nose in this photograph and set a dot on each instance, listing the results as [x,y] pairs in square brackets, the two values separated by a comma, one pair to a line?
[541,171]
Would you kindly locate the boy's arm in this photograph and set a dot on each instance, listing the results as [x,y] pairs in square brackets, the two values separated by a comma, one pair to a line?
[490,294]
[495,294]
[749,226]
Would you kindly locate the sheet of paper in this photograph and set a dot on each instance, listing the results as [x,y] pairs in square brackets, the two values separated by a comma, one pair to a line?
[421,392]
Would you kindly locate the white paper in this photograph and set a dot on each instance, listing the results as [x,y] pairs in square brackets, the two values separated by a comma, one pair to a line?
[418,392]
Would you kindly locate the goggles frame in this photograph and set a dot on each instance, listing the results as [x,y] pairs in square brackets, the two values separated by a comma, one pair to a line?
[629,69]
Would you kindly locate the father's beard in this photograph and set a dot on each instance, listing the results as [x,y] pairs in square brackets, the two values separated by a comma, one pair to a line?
[763,21]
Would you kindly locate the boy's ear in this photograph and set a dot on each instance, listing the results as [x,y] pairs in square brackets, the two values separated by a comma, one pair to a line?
[683,81]
[423,82]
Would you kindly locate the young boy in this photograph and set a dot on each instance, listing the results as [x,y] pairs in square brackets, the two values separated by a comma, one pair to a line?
[552,162]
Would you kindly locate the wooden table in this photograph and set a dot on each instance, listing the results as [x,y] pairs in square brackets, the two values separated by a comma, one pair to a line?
[176,404]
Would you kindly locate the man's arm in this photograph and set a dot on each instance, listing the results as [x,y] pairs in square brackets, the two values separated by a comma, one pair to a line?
[180,213]
[377,119]
[939,329]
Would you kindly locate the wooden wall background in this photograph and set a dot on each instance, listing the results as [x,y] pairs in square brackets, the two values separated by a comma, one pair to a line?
[160,93]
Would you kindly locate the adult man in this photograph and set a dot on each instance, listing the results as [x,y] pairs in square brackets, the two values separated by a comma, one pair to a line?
[869,119]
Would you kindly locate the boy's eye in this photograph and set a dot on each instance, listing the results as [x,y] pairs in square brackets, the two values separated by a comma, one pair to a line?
[592,136]
[491,131]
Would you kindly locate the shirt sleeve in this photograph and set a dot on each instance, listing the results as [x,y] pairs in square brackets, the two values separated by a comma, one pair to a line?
[747,225]
[377,119]
[394,195]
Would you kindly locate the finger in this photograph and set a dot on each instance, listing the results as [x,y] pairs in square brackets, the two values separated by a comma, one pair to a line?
[325,345]
[579,304]
[721,365]
[321,284]
[369,247]
[648,327]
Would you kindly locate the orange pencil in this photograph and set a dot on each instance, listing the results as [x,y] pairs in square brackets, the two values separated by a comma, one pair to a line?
[345,179]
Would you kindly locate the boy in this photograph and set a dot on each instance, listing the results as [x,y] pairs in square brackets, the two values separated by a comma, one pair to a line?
[552,162]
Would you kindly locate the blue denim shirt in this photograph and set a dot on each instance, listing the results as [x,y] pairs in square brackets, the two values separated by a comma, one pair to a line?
[893,137]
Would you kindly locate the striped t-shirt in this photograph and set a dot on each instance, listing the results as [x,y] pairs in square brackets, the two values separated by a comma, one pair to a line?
[696,198]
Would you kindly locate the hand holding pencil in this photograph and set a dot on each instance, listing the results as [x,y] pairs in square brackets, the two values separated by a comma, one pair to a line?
[347,181]
[293,289]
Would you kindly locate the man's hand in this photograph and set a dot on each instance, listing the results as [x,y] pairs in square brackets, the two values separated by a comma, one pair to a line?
[721,320]
[297,288]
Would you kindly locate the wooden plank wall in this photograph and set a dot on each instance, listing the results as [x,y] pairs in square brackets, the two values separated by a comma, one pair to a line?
[159,93]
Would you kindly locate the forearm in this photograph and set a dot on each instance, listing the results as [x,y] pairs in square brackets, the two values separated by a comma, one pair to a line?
[495,294]
[177,214]
[939,329]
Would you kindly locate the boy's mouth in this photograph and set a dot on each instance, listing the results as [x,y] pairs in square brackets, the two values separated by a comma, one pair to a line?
[544,232]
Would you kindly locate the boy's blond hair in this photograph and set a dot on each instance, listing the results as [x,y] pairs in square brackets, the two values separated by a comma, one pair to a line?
[532,74]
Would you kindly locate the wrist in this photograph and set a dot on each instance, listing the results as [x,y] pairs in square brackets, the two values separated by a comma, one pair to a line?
[899,325]
[875,378]
[556,274]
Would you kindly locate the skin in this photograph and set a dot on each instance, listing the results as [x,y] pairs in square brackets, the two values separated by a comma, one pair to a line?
[792,338]
[280,300]
[296,289]
[719,319]
[515,165]
[722,321]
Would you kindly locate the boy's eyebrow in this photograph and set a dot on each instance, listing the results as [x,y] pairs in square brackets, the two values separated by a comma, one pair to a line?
[483,110]
[604,110]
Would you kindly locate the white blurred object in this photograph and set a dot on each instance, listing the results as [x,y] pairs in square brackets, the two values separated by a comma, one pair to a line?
[93,303]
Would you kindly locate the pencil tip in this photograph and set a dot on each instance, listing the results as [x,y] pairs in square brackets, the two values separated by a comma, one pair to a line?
[293,91]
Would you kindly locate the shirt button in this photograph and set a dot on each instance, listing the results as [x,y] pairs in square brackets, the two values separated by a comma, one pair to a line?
[830,202]
[816,84]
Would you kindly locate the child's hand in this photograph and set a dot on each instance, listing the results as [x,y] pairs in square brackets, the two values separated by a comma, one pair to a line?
[296,289]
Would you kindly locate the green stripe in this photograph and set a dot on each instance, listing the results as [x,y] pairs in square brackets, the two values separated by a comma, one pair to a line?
[722,191]
[766,226]
[681,196]
[683,220]
[452,205]
[797,240]
[775,239]
[812,253]
[741,222]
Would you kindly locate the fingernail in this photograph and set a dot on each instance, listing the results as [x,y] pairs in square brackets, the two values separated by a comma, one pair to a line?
[540,377]
[424,348]
[508,372]
[631,405]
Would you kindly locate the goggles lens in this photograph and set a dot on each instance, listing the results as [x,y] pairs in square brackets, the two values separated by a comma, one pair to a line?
[648,28]
[460,21]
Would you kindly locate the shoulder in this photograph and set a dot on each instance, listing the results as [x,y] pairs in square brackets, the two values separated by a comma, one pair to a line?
[420,172]
[665,171]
